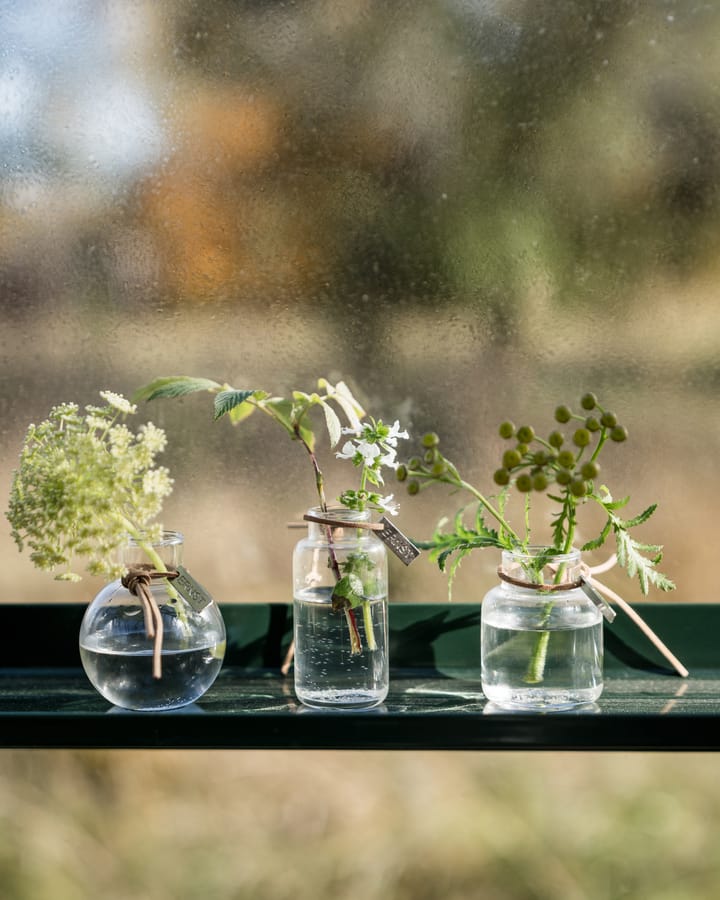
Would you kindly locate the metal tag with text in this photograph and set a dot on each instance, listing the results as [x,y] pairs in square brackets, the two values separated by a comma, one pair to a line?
[194,593]
[400,545]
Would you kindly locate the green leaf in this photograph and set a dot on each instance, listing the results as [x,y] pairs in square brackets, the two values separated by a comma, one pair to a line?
[281,409]
[333,423]
[174,386]
[348,592]
[241,412]
[600,539]
[643,517]
[341,395]
[228,400]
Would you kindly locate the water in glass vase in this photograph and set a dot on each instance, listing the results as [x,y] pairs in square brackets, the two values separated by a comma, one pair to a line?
[126,679]
[327,673]
[550,668]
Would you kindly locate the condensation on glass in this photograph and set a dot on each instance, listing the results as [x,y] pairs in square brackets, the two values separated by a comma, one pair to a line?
[466,210]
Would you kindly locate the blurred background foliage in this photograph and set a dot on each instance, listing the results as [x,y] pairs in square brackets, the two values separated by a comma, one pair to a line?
[358,826]
[468,210]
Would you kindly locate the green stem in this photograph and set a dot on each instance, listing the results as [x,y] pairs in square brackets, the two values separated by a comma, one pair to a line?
[536,667]
[497,515]
[155,558]
[368,623]
[355,642]
[367,610]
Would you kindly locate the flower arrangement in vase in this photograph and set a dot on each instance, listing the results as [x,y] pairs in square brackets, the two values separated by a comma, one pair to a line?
[340,568]
[88,487]
[542,636]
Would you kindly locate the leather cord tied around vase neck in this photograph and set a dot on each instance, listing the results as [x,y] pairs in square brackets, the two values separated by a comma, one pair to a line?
[137,581]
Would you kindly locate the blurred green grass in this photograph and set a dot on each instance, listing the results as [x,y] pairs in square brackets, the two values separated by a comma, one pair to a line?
[344,825]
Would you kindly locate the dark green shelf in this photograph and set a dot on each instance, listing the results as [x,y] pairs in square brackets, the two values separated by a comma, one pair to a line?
[435,699]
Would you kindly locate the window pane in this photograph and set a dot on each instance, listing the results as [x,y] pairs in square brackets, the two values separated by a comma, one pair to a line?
[467,211]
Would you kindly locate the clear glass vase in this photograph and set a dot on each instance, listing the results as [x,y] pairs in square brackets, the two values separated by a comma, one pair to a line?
[542,637]
[121,654]
[340,612]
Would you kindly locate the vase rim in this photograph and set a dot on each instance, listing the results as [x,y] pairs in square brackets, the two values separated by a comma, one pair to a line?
[340,512]
[168,538]
[535,550]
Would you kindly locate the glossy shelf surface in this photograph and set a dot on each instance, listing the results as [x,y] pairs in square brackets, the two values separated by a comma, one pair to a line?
[435,699]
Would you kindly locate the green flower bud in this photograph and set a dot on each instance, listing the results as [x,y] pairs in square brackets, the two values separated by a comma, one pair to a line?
[511,458]
[581,438]
[566,458]
[506,430]
[588,401]
[578,488]
[501,477]
[590,470]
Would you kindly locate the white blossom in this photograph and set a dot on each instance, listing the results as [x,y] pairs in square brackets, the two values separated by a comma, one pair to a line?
[388,505]
[395,434]
[118,402]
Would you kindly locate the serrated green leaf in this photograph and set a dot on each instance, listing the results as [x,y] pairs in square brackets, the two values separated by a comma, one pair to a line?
[228,400]
[643,517]
[600,539]
[612,505]
[174,386]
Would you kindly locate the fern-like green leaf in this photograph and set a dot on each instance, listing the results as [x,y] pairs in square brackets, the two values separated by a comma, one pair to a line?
[174,386]
[600,539]
[643,517]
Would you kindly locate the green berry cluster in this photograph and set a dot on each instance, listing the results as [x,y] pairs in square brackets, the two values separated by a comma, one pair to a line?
[431,464]
[569,460]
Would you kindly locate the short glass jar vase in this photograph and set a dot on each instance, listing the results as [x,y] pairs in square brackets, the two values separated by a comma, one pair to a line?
[340,600]
[155,639]
[542,637]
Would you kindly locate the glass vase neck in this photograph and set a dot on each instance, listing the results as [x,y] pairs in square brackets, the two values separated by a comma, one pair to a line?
[541,565]
[168,548]
[339,517]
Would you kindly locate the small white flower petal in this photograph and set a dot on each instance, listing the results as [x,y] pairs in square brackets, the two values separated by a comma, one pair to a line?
[387,504]
[369,452]
[348,451]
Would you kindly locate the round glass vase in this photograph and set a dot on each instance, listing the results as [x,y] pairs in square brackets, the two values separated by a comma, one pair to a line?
[542,637]
[118,652]
[340,620]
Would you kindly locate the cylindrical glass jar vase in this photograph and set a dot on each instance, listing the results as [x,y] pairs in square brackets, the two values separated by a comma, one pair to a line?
[157,646]
[340,612]
[542,637]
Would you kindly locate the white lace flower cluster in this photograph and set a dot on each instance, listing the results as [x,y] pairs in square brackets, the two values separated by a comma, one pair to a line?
[373,447]
[84,482]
